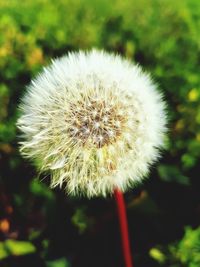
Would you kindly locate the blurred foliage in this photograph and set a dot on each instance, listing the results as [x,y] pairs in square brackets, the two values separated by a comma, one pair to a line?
[186,251]
[58,263]
[53,230]
[16,248]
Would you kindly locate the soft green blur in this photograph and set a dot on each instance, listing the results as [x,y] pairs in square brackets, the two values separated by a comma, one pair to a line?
[164,37]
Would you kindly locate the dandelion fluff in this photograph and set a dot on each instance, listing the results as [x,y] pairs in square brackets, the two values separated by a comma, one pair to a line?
[94,121]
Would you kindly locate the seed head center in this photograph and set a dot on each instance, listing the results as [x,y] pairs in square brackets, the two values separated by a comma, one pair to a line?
[97,122]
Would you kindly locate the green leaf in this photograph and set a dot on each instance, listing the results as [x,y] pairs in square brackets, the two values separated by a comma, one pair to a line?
[81,220]
[62,262]
[188,160]
[3,252]
[15,248]
[189,247]
[158,255]
[40,189]
[171,173]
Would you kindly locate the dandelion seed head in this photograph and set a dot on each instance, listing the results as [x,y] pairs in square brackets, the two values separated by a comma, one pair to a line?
[94,121]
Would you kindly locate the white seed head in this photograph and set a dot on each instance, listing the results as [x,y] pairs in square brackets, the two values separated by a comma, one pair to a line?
[95,121]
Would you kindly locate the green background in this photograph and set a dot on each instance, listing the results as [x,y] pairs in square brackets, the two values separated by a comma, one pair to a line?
[43,227]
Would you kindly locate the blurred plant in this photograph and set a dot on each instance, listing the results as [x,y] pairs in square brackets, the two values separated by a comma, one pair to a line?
[80,220]
[15,248]
[185,252]
[58,263]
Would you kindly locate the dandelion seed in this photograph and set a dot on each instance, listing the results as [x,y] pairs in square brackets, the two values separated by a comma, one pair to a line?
[117,123]
[105,119]
[86,130]
[111,133]
[97,125]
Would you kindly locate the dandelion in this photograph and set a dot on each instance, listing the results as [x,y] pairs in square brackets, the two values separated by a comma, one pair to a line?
[94,121]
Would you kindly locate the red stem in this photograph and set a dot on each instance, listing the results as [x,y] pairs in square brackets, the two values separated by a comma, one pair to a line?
[121,210]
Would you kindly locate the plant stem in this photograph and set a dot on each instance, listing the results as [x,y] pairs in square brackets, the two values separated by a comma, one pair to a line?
[121,210]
